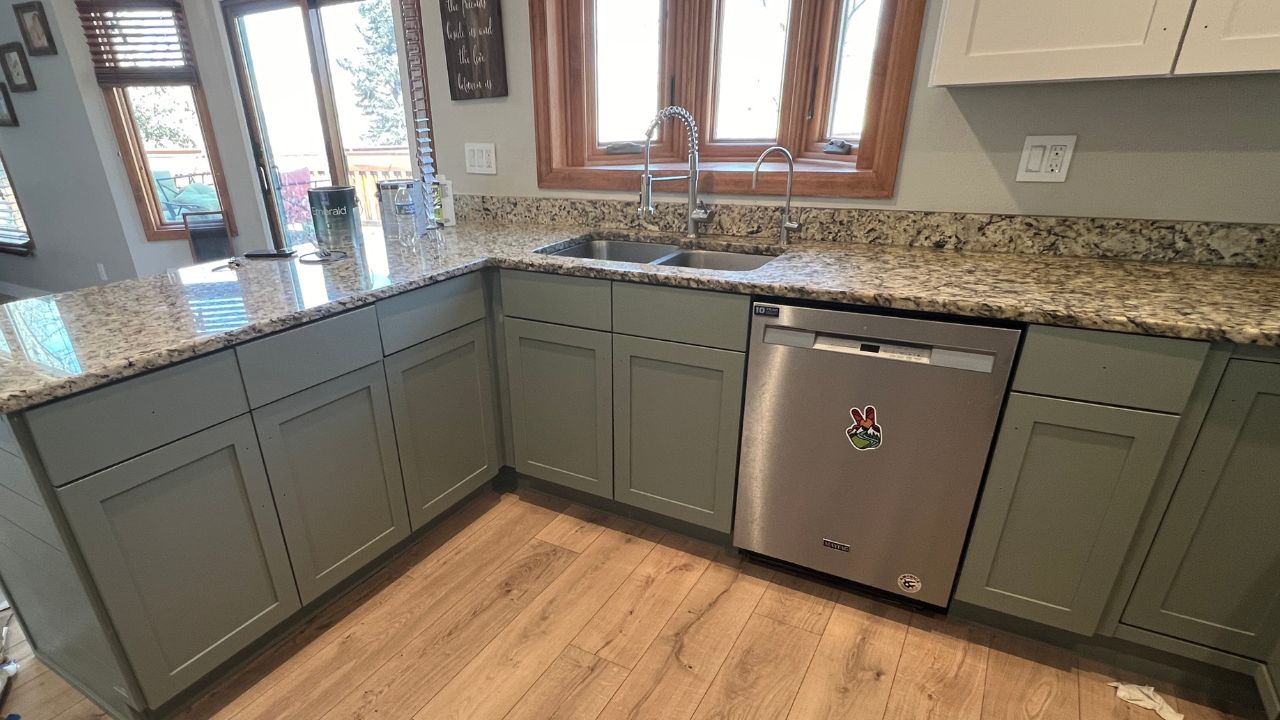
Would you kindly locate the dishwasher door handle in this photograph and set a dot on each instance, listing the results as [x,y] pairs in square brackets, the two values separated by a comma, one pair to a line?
[880,349]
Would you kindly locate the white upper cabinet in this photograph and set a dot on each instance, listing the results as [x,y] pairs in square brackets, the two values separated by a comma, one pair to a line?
[1007,41]
[1232,36]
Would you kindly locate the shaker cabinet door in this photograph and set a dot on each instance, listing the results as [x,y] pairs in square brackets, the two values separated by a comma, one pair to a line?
[186,551]
[1009,41]
[561,389]
[1213,573]
[1067,484]
[1226,36]
[442,398]
[330,452]
[676,416]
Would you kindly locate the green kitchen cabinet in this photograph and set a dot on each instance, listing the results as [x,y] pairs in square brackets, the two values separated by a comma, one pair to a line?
[1213,573]
[676,417]
[1067,484]
[330,452]
[186,552]
[442,399]
[561,398]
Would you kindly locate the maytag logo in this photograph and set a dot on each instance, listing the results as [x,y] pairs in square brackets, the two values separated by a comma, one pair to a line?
[835,545]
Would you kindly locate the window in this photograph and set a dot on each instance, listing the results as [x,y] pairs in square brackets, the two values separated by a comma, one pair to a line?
[142,59]
[324,89]
[829,80]
[14,237]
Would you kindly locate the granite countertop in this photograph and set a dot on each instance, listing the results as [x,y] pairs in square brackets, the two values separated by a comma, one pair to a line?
[57,345]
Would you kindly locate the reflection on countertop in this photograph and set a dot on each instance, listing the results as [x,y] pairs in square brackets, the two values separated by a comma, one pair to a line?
[57,345]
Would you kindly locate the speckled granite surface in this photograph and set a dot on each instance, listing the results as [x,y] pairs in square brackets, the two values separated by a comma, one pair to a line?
[57,345]
[1206,243]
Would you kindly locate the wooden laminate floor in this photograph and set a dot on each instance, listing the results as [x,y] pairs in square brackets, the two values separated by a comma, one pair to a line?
[522,607]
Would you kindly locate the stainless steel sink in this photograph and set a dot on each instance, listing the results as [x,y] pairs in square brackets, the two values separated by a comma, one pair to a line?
[715,260]
[618,251]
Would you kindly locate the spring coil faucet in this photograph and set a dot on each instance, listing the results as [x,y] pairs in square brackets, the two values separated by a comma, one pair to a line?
[698,213]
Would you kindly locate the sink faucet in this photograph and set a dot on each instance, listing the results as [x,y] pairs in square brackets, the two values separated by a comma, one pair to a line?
[787,223]
[698,213]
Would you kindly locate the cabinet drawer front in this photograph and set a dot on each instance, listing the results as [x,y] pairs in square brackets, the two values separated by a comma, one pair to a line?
[1066,487]
[561,401]
[185,548]
[294,360]
[677,410]
[581,302]
[330,452]
[442,399]
[1110,368]
[420,315]
[1213,573]
[696,317]
[100,428]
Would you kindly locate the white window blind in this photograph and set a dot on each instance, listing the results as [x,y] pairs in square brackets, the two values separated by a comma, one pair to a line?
[419,101]
[138,42]
[13,229]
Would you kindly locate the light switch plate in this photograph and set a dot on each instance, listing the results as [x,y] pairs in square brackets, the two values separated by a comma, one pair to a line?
[482,159]
[1046,158]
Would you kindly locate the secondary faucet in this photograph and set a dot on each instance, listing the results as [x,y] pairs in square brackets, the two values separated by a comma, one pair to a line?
[698,213]
[787,223]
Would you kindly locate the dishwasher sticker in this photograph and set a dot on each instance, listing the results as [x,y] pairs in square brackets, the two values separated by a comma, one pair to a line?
[864,433]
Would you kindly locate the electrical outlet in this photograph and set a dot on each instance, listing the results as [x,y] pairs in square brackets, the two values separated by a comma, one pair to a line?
[1046,158]
[482,159]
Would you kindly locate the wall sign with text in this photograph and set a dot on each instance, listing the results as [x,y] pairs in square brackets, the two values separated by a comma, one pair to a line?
[473,41]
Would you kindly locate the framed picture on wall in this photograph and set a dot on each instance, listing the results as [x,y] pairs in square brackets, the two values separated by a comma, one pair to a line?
[16,70]
[34,25]
[7,117]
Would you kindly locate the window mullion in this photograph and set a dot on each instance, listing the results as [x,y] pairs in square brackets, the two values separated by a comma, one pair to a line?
[325,99]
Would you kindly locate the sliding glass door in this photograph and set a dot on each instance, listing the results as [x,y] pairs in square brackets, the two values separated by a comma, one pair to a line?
[323,95]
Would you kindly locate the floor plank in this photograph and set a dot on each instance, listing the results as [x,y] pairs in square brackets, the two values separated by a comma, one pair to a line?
[408,681]
[674,673]
[1029,680]
[762,674]
[624,628]
[291,652]
[414,604]
[941,672]
[44,697]
[492,683]
[83,710]
[798,601]
[855,664]
[575,687]
[576,528]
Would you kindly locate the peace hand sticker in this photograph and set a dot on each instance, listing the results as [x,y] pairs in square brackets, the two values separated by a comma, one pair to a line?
[864,433]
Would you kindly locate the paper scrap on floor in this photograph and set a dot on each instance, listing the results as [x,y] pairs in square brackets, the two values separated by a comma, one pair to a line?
[1145,696]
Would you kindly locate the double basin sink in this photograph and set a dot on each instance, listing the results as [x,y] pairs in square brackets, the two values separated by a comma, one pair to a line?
[661,254]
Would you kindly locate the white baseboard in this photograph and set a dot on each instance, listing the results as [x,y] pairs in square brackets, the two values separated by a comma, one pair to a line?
[20,291]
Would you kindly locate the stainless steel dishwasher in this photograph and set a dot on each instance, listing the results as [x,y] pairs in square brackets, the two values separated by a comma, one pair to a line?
[864,442]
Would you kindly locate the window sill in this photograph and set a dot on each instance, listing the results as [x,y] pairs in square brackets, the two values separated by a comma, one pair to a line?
[12,248]
[814,178]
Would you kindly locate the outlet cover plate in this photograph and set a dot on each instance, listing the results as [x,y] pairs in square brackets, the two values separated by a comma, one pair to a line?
[1046,158]
[482,159]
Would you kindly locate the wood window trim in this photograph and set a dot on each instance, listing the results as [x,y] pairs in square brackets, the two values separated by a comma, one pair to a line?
[564,88]
[134,156]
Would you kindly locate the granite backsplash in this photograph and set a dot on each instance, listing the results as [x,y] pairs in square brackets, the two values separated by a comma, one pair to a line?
[1206,243]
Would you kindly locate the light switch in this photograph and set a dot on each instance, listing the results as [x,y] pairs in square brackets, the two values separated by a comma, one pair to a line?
[1046,158]
[482,159]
